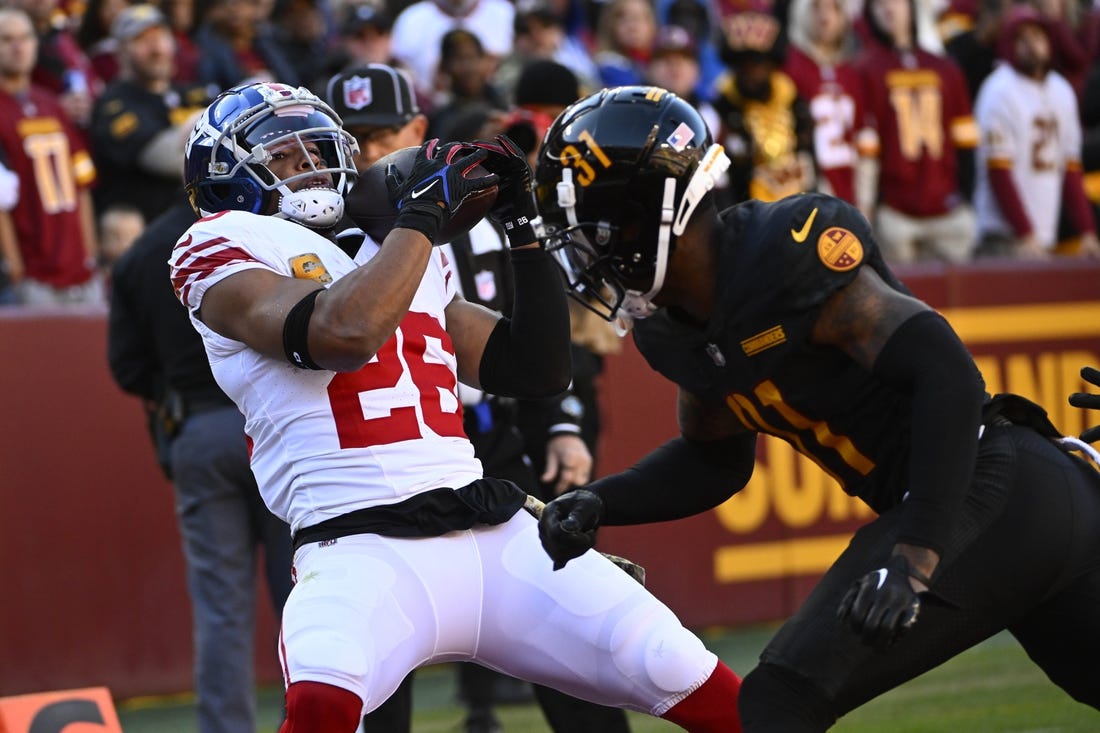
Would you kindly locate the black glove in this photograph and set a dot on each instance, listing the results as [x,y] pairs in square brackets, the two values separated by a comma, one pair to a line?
[1088,401]
[567,527]
[515,205]
[435,186]
[882,605]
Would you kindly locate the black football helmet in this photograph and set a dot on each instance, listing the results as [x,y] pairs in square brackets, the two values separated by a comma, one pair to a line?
[619,175]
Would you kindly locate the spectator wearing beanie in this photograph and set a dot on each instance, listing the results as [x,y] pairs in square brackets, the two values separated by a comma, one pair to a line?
[543,90]
[541,33]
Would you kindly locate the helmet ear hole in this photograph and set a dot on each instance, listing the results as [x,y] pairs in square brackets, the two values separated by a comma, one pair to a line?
[238,195]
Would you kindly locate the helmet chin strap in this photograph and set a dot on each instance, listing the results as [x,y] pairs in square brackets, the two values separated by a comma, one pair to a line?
[316,208]
[674,221]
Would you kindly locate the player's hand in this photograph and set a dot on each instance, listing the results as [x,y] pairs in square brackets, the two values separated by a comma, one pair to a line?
[568,462]
[1089,401]
[435,186]
[1029,248]
[514,208]
[1090,246]
[567,527]
[882,605]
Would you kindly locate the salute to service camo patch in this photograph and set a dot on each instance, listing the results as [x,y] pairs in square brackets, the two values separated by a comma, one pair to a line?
[310,267]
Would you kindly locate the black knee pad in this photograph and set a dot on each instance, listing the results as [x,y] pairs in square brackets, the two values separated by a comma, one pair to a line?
[777,700]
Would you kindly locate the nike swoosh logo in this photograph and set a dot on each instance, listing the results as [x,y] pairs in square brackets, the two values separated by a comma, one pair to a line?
[801,234]
[881,571]
[418,194]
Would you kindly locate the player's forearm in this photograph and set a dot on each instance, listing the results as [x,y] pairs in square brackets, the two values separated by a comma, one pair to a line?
[360,311]
[9,246]
[1077,205]
[679,479]
[528,355]
[1008,200]
[161,155]
[88,225]
[927,362]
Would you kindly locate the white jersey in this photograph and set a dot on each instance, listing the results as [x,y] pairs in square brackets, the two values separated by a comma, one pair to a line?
[1033,128]
[327,443]
[420,27]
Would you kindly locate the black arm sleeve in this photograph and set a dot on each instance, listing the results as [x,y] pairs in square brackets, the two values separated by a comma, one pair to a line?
[927,361]
[527,355]
[681,478]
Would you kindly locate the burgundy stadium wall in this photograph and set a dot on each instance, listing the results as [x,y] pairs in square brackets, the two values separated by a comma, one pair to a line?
[94,591]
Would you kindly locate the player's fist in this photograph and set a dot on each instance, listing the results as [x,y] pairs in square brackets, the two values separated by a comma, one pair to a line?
[514,208]
[567,527]
[435,187]
[882,605]
[1088,401]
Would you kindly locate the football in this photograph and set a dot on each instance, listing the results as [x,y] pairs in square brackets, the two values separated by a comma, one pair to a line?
[370,207]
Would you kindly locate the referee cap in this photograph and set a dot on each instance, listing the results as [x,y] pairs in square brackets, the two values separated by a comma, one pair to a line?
[374,95]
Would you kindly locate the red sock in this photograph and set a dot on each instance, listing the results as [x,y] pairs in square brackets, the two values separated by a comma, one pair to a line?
[314,707]
[713,707]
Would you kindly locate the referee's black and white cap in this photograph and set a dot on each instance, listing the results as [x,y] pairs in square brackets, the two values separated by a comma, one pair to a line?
[373,95]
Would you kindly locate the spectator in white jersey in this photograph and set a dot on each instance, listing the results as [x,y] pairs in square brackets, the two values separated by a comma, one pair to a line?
[418,31]
[1029,156]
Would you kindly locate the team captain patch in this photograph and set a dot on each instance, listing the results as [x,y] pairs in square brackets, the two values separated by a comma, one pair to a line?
[839,249]
[310,267]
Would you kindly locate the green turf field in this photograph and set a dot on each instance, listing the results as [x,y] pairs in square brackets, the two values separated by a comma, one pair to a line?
[992,688]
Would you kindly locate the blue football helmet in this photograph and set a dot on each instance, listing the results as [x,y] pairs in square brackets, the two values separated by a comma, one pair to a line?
[227,154]
[618,176]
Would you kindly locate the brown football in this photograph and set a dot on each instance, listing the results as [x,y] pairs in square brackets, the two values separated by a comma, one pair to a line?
[370,207]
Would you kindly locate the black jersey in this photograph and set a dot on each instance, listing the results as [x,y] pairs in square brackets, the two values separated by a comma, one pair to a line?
[778,263]
[125,119]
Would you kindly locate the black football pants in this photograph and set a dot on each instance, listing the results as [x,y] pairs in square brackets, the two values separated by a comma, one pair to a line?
[1025,556]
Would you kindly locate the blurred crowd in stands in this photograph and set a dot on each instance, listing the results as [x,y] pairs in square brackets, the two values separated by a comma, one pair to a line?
[961,130]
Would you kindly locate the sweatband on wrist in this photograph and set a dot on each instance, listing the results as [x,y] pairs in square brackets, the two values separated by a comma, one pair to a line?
[296,332]
[426,219]
[519,231]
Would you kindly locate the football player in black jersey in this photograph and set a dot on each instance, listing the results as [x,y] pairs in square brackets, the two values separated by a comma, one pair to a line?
[783,319]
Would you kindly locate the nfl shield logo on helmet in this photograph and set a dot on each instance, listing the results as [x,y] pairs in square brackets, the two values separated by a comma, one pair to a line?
[357,92]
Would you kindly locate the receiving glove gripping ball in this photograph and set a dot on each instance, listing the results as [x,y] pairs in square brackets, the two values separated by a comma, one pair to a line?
[372,207]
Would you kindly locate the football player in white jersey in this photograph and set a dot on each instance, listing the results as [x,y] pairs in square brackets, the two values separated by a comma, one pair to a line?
[346,372]
[1029,157]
